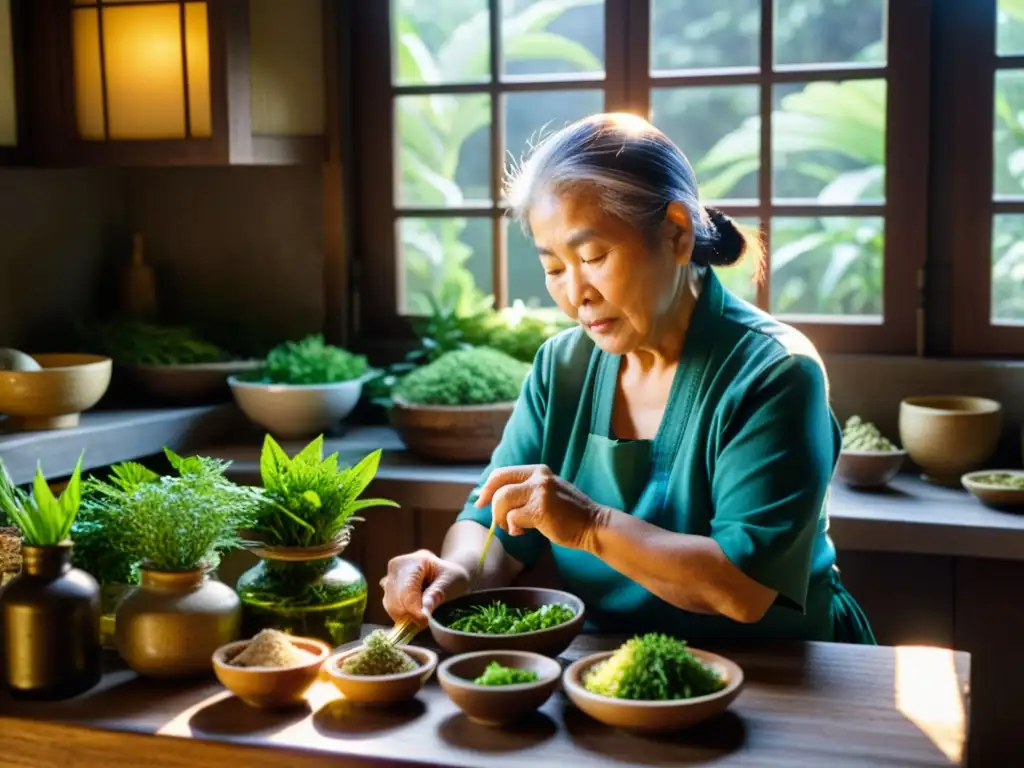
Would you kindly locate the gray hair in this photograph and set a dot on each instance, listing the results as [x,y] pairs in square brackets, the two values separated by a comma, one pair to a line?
[635,170]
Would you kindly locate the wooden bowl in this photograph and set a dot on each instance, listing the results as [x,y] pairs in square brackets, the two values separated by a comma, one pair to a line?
[992,495]
[869,469]
[653,716]
[498,704]
[466,433]
[192,383]
[54,397]
[270,687]
[381,689]
[949,436]
[547,642]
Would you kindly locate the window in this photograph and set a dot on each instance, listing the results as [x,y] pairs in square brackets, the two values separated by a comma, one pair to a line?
[805,119]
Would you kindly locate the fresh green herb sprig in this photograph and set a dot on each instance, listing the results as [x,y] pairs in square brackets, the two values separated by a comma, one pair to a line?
[477,376]
[311,361]
[496,674]
[185,522]
[496,618]
[653,667]
[43,519]
[307,500]
[132,342]
[378,657]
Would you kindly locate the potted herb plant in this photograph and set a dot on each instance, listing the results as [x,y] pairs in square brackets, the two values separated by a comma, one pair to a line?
[50,611]
[456,408]
[304,521]
[177,527]
[305,387]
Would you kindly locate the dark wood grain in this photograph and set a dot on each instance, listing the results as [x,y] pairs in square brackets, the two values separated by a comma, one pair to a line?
[815,704]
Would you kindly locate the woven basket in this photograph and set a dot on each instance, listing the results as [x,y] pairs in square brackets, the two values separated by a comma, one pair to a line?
[10,554]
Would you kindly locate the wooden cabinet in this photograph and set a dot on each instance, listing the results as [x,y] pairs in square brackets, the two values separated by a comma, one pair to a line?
[182,82]
[13,117]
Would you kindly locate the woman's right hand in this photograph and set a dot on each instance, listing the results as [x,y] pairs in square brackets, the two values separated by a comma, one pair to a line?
[419,582]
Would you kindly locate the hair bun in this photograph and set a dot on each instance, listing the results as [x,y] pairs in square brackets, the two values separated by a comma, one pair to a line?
[726,243]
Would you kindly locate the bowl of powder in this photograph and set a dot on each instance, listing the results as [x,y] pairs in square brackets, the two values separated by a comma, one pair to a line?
[272,670]
[380,673]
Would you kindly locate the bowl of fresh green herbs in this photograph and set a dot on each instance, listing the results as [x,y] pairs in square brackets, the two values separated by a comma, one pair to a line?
[543,621]
[304,388]
[498,687]
[653,683]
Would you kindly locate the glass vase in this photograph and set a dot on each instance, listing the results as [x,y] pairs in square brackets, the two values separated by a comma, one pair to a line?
[306,592]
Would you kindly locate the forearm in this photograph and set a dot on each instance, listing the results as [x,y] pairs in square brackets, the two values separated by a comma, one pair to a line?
[463,545]
[687,571]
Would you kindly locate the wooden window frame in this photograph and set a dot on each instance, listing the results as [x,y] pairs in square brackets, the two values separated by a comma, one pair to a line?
[970,200]
[627,83]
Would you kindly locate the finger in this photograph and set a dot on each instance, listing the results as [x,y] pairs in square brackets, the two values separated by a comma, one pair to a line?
[437,592]
[520,520]
[501,477]
[392,601]
[507,498]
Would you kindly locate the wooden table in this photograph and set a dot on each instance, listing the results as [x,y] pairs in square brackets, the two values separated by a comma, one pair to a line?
[814,704]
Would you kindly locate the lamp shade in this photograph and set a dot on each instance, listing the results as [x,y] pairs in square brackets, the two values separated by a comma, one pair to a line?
[8,96]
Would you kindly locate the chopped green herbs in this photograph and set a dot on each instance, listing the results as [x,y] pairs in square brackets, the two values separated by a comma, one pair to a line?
[476,376]
[860,435]
[378,657]
[495,674]
[653,667]
[1007,480]
[497,618]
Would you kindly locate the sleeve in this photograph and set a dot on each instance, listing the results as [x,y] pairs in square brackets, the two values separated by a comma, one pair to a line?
[521,443]
[771,477]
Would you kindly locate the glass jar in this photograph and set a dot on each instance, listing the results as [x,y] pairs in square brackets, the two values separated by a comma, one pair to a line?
[305,592]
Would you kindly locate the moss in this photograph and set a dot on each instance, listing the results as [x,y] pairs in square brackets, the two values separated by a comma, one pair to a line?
[478,376]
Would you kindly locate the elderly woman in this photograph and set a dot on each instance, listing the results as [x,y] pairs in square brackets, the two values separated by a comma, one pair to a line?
[671,455]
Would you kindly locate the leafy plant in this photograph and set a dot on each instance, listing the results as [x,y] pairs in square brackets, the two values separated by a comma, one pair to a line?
[311,361]
[476,376]
[307,501]
[132,342]
[44,520]
[185,522]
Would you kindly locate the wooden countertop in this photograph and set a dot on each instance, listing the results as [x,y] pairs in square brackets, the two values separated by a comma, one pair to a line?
[813,704]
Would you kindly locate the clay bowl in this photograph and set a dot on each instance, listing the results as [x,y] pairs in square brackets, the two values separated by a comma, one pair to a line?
[948,436]
[869,469]
[270,687]
[991,494]
[193,382]
[653,716]
[498,704]
[296,411]
[381,690]
[54,397]
[464,433]
[547,642]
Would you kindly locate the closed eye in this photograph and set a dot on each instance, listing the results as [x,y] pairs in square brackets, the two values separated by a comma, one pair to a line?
[598,259]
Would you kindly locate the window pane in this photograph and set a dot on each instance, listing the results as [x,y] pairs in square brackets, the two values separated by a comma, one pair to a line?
[740,278]
[530,116]
[540,37]
[525,274]
[1009,133]
[831,265]
[719,130]
[1010,28]
[441,42]
[449,259]
[1008,268]
[828,142]
[705,34]
[830,32]
[444,150]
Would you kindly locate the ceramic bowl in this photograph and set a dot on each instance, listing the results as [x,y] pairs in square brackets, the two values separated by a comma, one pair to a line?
[948,436]
[991,494]
[653,716]
[191,383]
[270,687]
[869,469]
[466,433]
[54,397]
[381,689]
[547,642]
[291,411]
[498,704]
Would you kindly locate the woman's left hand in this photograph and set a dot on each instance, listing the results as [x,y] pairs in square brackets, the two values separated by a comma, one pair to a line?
[534,497]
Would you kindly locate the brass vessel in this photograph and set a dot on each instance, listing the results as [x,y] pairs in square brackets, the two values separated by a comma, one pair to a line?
[170,625]
[50,614]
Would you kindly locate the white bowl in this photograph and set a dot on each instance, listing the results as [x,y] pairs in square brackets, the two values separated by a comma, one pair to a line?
[294,411]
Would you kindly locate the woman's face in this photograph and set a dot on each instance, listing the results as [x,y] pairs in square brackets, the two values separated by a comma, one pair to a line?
[604,274]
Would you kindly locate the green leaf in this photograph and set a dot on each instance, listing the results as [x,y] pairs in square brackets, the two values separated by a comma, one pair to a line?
[313,498]
[71,499]
[360,504]
[274,463]
[312,454]
[361,475]
[48,517]
[416,64]
[549,46]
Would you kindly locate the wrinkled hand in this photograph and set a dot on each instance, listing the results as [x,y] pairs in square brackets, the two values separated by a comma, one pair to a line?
[533,497]
[419,582]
